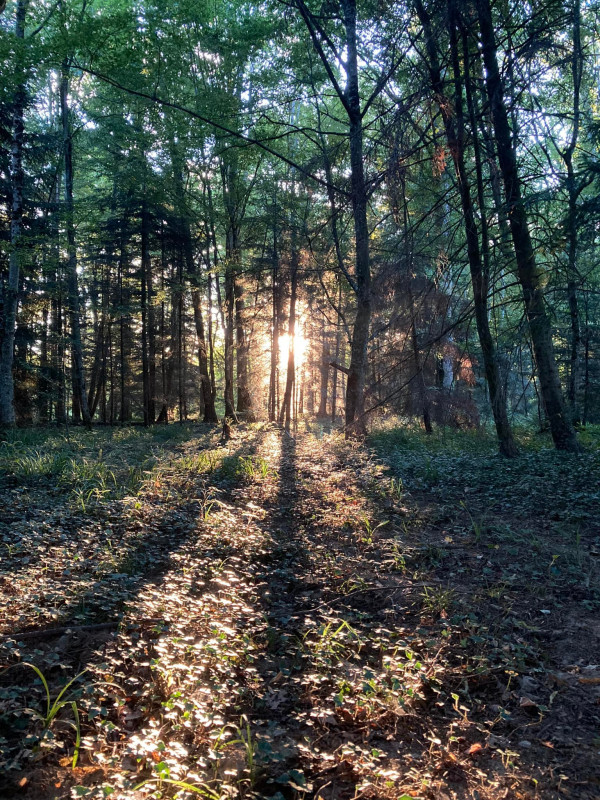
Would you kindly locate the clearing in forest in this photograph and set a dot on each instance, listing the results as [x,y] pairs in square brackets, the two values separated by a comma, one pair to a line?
[293,617]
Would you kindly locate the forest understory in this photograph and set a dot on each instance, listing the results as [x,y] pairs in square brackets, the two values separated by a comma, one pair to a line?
[298,616]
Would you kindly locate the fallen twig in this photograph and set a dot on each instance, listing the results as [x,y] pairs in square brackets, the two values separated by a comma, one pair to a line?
[48,633]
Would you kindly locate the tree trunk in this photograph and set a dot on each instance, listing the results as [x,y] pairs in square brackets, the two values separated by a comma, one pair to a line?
[229,319]
[148,347]
[530,278]
[338,345]
[324,373]
[193,274]
[275,314]
[418,366]
[244,396]
[124,331]
[355,422]
[210,414]
[574,191]
[79,390]
[11,292]
[455,137]
[211,347]
[285,414]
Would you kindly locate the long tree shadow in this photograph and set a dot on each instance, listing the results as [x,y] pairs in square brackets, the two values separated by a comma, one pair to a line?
[92,619]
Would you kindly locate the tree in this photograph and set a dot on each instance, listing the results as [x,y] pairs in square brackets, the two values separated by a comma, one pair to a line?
[529,274]
[11,290]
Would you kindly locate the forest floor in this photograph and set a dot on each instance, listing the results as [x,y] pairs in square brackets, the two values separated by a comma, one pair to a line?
[297,616]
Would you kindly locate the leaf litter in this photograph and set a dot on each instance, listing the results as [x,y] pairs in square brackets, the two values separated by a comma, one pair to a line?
[283,618]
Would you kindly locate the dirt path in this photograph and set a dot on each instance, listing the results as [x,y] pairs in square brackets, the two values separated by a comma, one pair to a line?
[275,643]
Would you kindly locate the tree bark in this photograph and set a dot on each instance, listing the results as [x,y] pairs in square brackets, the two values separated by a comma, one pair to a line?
[210,414]
[529,274]
[275,315]
[244,396]
[230,256]
[285,414]
[124,329]
[453,119]
[148,345]
[324,373]
[232,261]
[193,273]
[11,292]
[355,422]
[79,390]
[573,190]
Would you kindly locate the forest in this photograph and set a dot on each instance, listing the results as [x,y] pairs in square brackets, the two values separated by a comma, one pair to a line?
[300,399]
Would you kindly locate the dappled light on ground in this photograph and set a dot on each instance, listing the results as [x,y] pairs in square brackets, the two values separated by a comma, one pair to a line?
[288,617]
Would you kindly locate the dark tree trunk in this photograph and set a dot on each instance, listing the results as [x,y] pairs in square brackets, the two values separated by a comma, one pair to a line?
[148,346]
[193,274]
[275,315]
[453,119]
[418,365]
[211,346]
[324,373]
[229,321]
[355,422]
[44,383]
[244,396]
[338,344]
[210,414]
[574,190]
[233,210]
[96,378]
[58,354]
[11,291]
[285,414]
[529,274]
[124,331]
[80,402]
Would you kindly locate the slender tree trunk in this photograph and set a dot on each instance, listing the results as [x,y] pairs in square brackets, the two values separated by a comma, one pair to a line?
[211,345]
[95,383]
[193,274]
[418,365]
[11,292]
[44,385]
[210,414]
[79,391]
[275,308]
[355,422]
[586,372]
[229,321]
[574,191]
[124,330]
[231,201]
[338,344]
[58,355]
[148,354]
[244,396]
[453,119]
[529,274]
[163,415]
[324,373]
[285,414]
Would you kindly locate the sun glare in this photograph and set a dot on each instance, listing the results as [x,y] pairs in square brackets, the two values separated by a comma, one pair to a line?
[300,348]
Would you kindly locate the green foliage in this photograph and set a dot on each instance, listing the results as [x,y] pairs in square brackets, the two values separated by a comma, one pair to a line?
[251,468]
[54,707]
[463,468]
